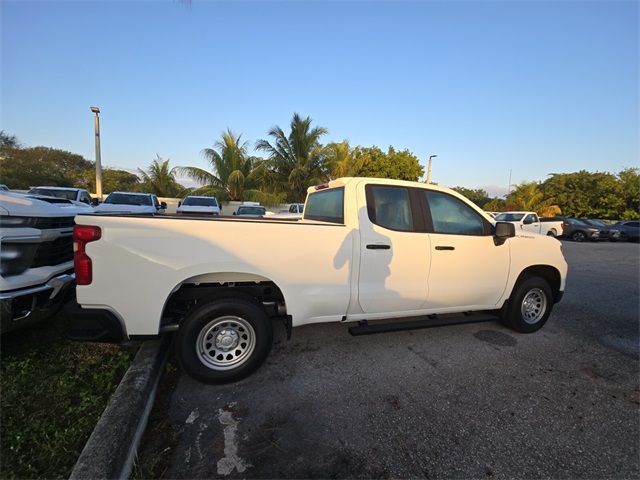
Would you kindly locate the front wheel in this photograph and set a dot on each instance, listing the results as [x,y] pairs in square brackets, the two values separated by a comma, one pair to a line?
[224,340]
[578,237]
[530,305]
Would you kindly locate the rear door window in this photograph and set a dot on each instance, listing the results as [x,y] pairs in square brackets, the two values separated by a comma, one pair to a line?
[390,207]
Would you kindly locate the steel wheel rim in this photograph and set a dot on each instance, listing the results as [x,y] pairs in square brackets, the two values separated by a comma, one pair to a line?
[534,305]
[225,342]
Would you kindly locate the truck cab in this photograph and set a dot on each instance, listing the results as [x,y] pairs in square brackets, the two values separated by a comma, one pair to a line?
[68,193]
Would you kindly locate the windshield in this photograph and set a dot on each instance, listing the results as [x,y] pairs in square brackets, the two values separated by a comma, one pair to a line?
[296,208]
[595,223]
[128,199]
[66,194]
[251,210]
[575,221]
[200,202]
[510,217]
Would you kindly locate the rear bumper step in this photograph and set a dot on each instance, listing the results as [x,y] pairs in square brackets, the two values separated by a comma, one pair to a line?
[414,323]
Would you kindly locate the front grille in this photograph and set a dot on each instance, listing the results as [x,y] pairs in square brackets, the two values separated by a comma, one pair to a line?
[45,223]
[54,253]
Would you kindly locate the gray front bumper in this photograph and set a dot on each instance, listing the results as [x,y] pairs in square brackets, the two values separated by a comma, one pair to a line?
[31,304]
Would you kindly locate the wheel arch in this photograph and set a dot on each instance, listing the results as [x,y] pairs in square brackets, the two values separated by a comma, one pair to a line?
[203,287]
[549,273]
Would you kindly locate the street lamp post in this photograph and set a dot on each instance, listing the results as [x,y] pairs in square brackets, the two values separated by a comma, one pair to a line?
[96,124]
[429,169]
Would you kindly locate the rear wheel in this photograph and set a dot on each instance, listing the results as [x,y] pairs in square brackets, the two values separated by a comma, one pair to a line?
[530,305]
[224,340]
[552,233]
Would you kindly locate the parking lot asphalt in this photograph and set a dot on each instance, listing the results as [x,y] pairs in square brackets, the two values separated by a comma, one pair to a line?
[466,401]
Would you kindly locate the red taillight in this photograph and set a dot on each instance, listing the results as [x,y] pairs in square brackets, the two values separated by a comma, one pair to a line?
[83,234]
[322,186]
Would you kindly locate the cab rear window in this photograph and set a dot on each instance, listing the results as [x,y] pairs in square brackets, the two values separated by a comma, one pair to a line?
[326,206]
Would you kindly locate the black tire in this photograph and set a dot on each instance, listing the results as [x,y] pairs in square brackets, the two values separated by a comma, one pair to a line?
[531,317]
[224,341]
[578,236]
[552,233]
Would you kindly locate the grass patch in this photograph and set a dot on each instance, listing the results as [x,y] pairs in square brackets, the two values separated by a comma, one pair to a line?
[53,392]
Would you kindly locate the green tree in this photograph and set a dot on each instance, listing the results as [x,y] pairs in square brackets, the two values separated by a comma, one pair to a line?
[586,194]
[478,196]
[528,196]
[295,161]
[114,180]
[160,179]
[340,161]
[231,168]
[400,165]
[8,141]
[495,205]
[21,168]
[630,185]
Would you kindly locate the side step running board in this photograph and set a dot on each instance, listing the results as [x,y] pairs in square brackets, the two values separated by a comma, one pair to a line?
[414,323]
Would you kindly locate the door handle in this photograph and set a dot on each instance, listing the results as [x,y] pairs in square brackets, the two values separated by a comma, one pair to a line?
[444,247]
[377,246]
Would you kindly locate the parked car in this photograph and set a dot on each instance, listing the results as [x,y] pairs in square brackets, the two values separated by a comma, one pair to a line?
[132,202]
[530,222]
[3,188]
[294,212]
[37,257]
[607,232]
[629,230]
[578,231]
[253,211]
[195,205]
[366,249]
[297,208]
[68,193]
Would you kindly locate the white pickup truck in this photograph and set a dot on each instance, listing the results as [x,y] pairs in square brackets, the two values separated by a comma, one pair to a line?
[530,222]
[36,250]
[68,193]
[366,250]
[132,202]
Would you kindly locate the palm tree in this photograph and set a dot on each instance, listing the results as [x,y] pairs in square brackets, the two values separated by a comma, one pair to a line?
[160,179]
[340,161]
[295,160]
[528,197]
[231,168]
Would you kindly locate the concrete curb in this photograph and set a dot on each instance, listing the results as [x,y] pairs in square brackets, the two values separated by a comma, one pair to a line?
[110,451]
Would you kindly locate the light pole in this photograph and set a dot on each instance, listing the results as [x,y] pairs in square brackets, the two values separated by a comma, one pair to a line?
[429,169]
[96,124]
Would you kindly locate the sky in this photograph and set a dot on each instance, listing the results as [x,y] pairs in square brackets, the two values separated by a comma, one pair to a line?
[530,88]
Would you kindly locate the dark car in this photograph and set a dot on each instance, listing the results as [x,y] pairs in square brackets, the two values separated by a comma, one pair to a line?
[607,231]
[629,230]
[255,211]
[578,231]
